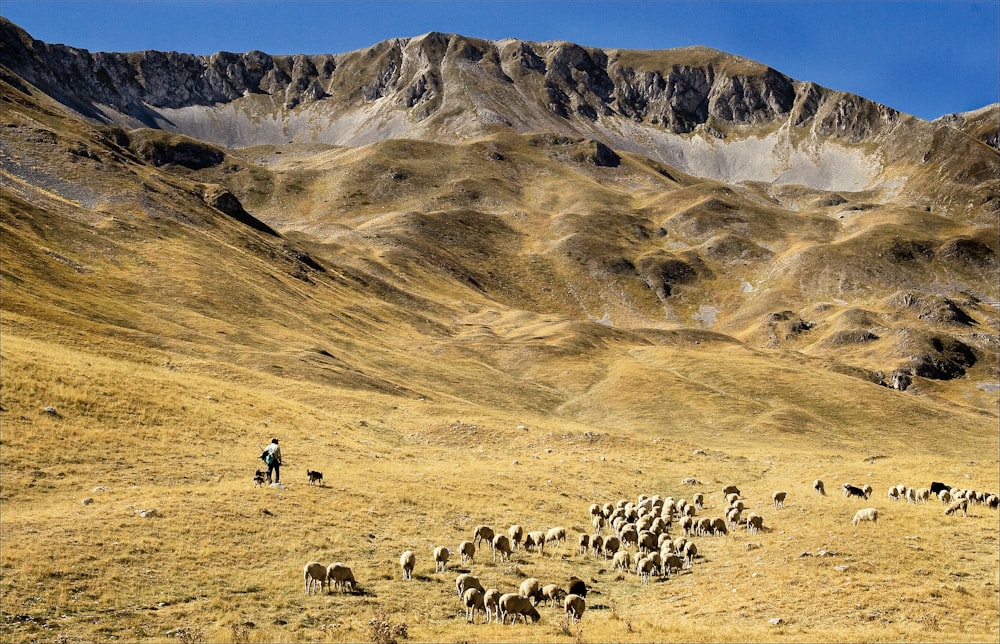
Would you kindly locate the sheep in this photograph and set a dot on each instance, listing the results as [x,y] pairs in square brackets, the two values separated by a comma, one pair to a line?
[611,546]
[465,581]
[867,489]
[893,493]
[671,564]
[945,496]
[818,486]
[911,495]
[595,509]
[698,500]
[644,569]
[755,523]
[531,589]
[467,550]
[482,532]
[865,514]
[690,552]
[779,499]
[491,601]
[687,524]
[535,539]
[647,541]
[923,494]
[679,543]
[598,521]
[511,605]
[992,502]
[441,556]
[583,543]
[960,505]
[731,489]
[501,544]
[574,605]
[555,534]
[719,527]
[622,561]
[313,573]
[341,577]
[629,536]
[553,593]
[516,535]
[473,600]
[597,545]
[577,586]
[703,526]
[407,562]
[733,517]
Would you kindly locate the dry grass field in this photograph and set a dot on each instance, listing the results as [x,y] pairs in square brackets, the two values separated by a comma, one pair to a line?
[496,329]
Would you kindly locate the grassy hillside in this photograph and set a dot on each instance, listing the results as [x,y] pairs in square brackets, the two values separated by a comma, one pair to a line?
[495,331]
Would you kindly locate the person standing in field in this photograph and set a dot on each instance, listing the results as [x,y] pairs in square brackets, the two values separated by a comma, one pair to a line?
[272,458]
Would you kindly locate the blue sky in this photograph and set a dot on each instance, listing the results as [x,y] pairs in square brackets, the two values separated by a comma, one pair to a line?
[925,58]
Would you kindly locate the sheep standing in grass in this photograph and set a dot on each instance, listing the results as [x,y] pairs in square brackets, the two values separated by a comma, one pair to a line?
[671,564]
[923,494]
[893,493]
[491,603]
[583,543]
[516,534]
[531,589]
[818,486]
[961,505]
[513,605]
[779,499]
[597,545]
[611,545]
[313,573]
[467,550]
[473,600]
[340,577]
[535,540]
[622,561]
[945,496]
[555,534]
[867,489]
[553,594]
[865,514]
[689,553]
[441,556]
[574,605]
[482,532]
[577,586]
[466,581]
[407,561]
[501,545]
[731,489]
[755,523]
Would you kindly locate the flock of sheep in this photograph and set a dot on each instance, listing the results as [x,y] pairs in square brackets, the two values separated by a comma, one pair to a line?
[634,536]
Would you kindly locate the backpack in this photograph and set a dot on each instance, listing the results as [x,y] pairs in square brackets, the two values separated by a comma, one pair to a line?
[263,456]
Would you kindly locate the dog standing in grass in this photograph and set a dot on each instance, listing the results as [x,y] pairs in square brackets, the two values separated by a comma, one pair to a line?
[314,477]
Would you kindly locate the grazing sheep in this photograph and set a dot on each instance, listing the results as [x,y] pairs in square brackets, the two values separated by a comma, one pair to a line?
[911,495]
[733,516]
[937,487]
[516,535]
[679,543]
[923,494]
[465,581]
[535,539]
[629,536]
[672,564]
[473,600]
[731,489]
[755,523]
[577,586]
[501,544]
[491,603]
[622,561]
[313,573]
[482,532]
[595,509]
[719,527]
[531,589]
[583,543]
[960,505]
[687,525]
[555,534]
[441,556]
[698,499]
[647,541]
[818,486]
[341,577]
[597,545]
[598,521]
[992,502]
[690,551]
[893,493]
[407,562]
[945,496]
[867,489]
[512,605]
[779,499]
[574,605]
[644,569]
[552,593]
[611,546]
[865,514]
[467,550]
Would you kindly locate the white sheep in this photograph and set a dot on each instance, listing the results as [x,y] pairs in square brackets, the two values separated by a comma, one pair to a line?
[574,605]
[491,603]
[865,514]
[597,545]
[473,600]
[867,489]
[341,577]
[467,550]
[516,535]
[441,556]
[779,499]
[644,569]
[671,563]
[552,593]
[501,545]
[960,505]
[531,589]
[583,543]
[923,494]
[466,581]
[755,523]
[945,496]
[407,561]
[893,493]
[698,499]
[689,553]
[535,539]
[622,561]
[512,605]
[313,573]
[611,545]
[555,534]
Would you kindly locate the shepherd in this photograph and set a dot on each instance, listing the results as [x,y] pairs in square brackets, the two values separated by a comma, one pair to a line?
[272,458]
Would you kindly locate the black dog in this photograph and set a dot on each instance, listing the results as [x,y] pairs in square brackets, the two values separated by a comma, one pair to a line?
[259,477]
[314,477]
